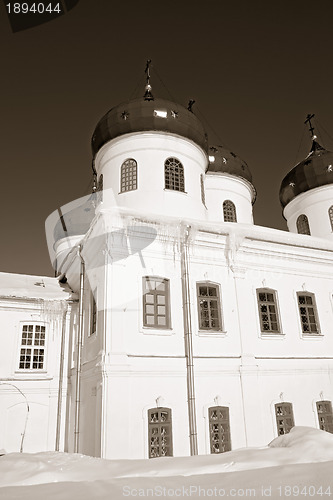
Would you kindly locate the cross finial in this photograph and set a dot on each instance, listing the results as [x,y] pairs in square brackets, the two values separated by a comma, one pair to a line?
[148,95]
[308,120]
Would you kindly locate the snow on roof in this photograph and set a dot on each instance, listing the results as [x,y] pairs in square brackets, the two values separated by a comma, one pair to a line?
[32,287]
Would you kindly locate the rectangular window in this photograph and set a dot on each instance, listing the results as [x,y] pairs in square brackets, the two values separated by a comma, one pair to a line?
[308,313]
[268,314]
[209,307]
[156,312]
[32,350]
[284,417]
[160,432]
[219,429]
[325,415]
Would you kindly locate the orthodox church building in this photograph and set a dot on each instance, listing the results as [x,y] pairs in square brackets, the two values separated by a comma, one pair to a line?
[175,325]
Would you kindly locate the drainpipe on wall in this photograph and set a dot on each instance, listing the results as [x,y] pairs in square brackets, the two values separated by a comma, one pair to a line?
[78,356]
[184,265]
[61,375]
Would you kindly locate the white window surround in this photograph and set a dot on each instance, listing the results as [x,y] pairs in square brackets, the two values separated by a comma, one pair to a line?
[33,346]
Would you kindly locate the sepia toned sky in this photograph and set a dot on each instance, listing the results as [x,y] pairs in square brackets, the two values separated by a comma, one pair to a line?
[255,69]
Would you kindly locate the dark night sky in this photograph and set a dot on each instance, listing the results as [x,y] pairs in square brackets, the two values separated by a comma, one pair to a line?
[255,69]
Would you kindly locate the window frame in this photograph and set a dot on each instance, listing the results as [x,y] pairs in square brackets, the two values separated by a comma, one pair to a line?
[202,187]
[315,314]
[281,420]
[226,422]
[330,215]
[172,178]
[231,207]
[93,313]
[327,413]
[216,286]
[159,424]
[156,304]
[275,303]
[33,346]
[302,225]
[131,171]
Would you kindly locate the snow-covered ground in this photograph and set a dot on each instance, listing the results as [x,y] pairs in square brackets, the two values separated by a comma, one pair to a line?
[296,465]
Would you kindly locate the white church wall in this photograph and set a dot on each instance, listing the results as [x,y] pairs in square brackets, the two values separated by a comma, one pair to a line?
[150,150]
[315,204]
[220,187]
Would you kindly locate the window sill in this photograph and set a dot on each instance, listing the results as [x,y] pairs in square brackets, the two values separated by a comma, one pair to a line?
[174,191]
[146,330]
[212,333]
[272,335]
[311,336]
[31,374]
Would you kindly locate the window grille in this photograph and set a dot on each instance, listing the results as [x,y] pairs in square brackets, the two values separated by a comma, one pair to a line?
[32,350]
[160,432]
[209,307]
[129,176]
[302,224]
[268,314]
[174,175]
[284,417]
[156,300]
[203,197]
[229,211]
[330,214]
[325,415]
[93,313]
[308,313]
[219,429]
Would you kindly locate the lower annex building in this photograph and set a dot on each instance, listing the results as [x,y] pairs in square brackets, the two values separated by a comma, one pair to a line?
[175,326]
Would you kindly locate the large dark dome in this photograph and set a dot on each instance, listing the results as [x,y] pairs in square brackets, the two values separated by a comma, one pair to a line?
[141,115]
[315,171]
[224,161]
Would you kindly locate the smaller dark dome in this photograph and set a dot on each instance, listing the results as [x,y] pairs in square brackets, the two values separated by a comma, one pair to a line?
[139,115]
[315,171]
[224,161]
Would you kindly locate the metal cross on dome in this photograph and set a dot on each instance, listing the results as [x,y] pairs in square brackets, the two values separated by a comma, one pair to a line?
[308,120]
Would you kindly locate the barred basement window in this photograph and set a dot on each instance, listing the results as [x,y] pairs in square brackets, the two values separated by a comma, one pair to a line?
[209,307]
[229,211]
[129,176]
[325,415]
[308,313]
[93,312]
[302,225]
[156,309]
[284,417]
[203,197]
[99,197]
[219,429]
[160,432]
[268,314]
[330,214]
[174,175]
[32,351]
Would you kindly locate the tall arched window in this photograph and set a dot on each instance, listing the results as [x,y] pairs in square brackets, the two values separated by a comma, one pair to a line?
[330,214]
[174,175]
[202,184]
[99,197]
[219,429]
[302,224]
[284,417]
[229,211]
[128,176]
[160,432]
